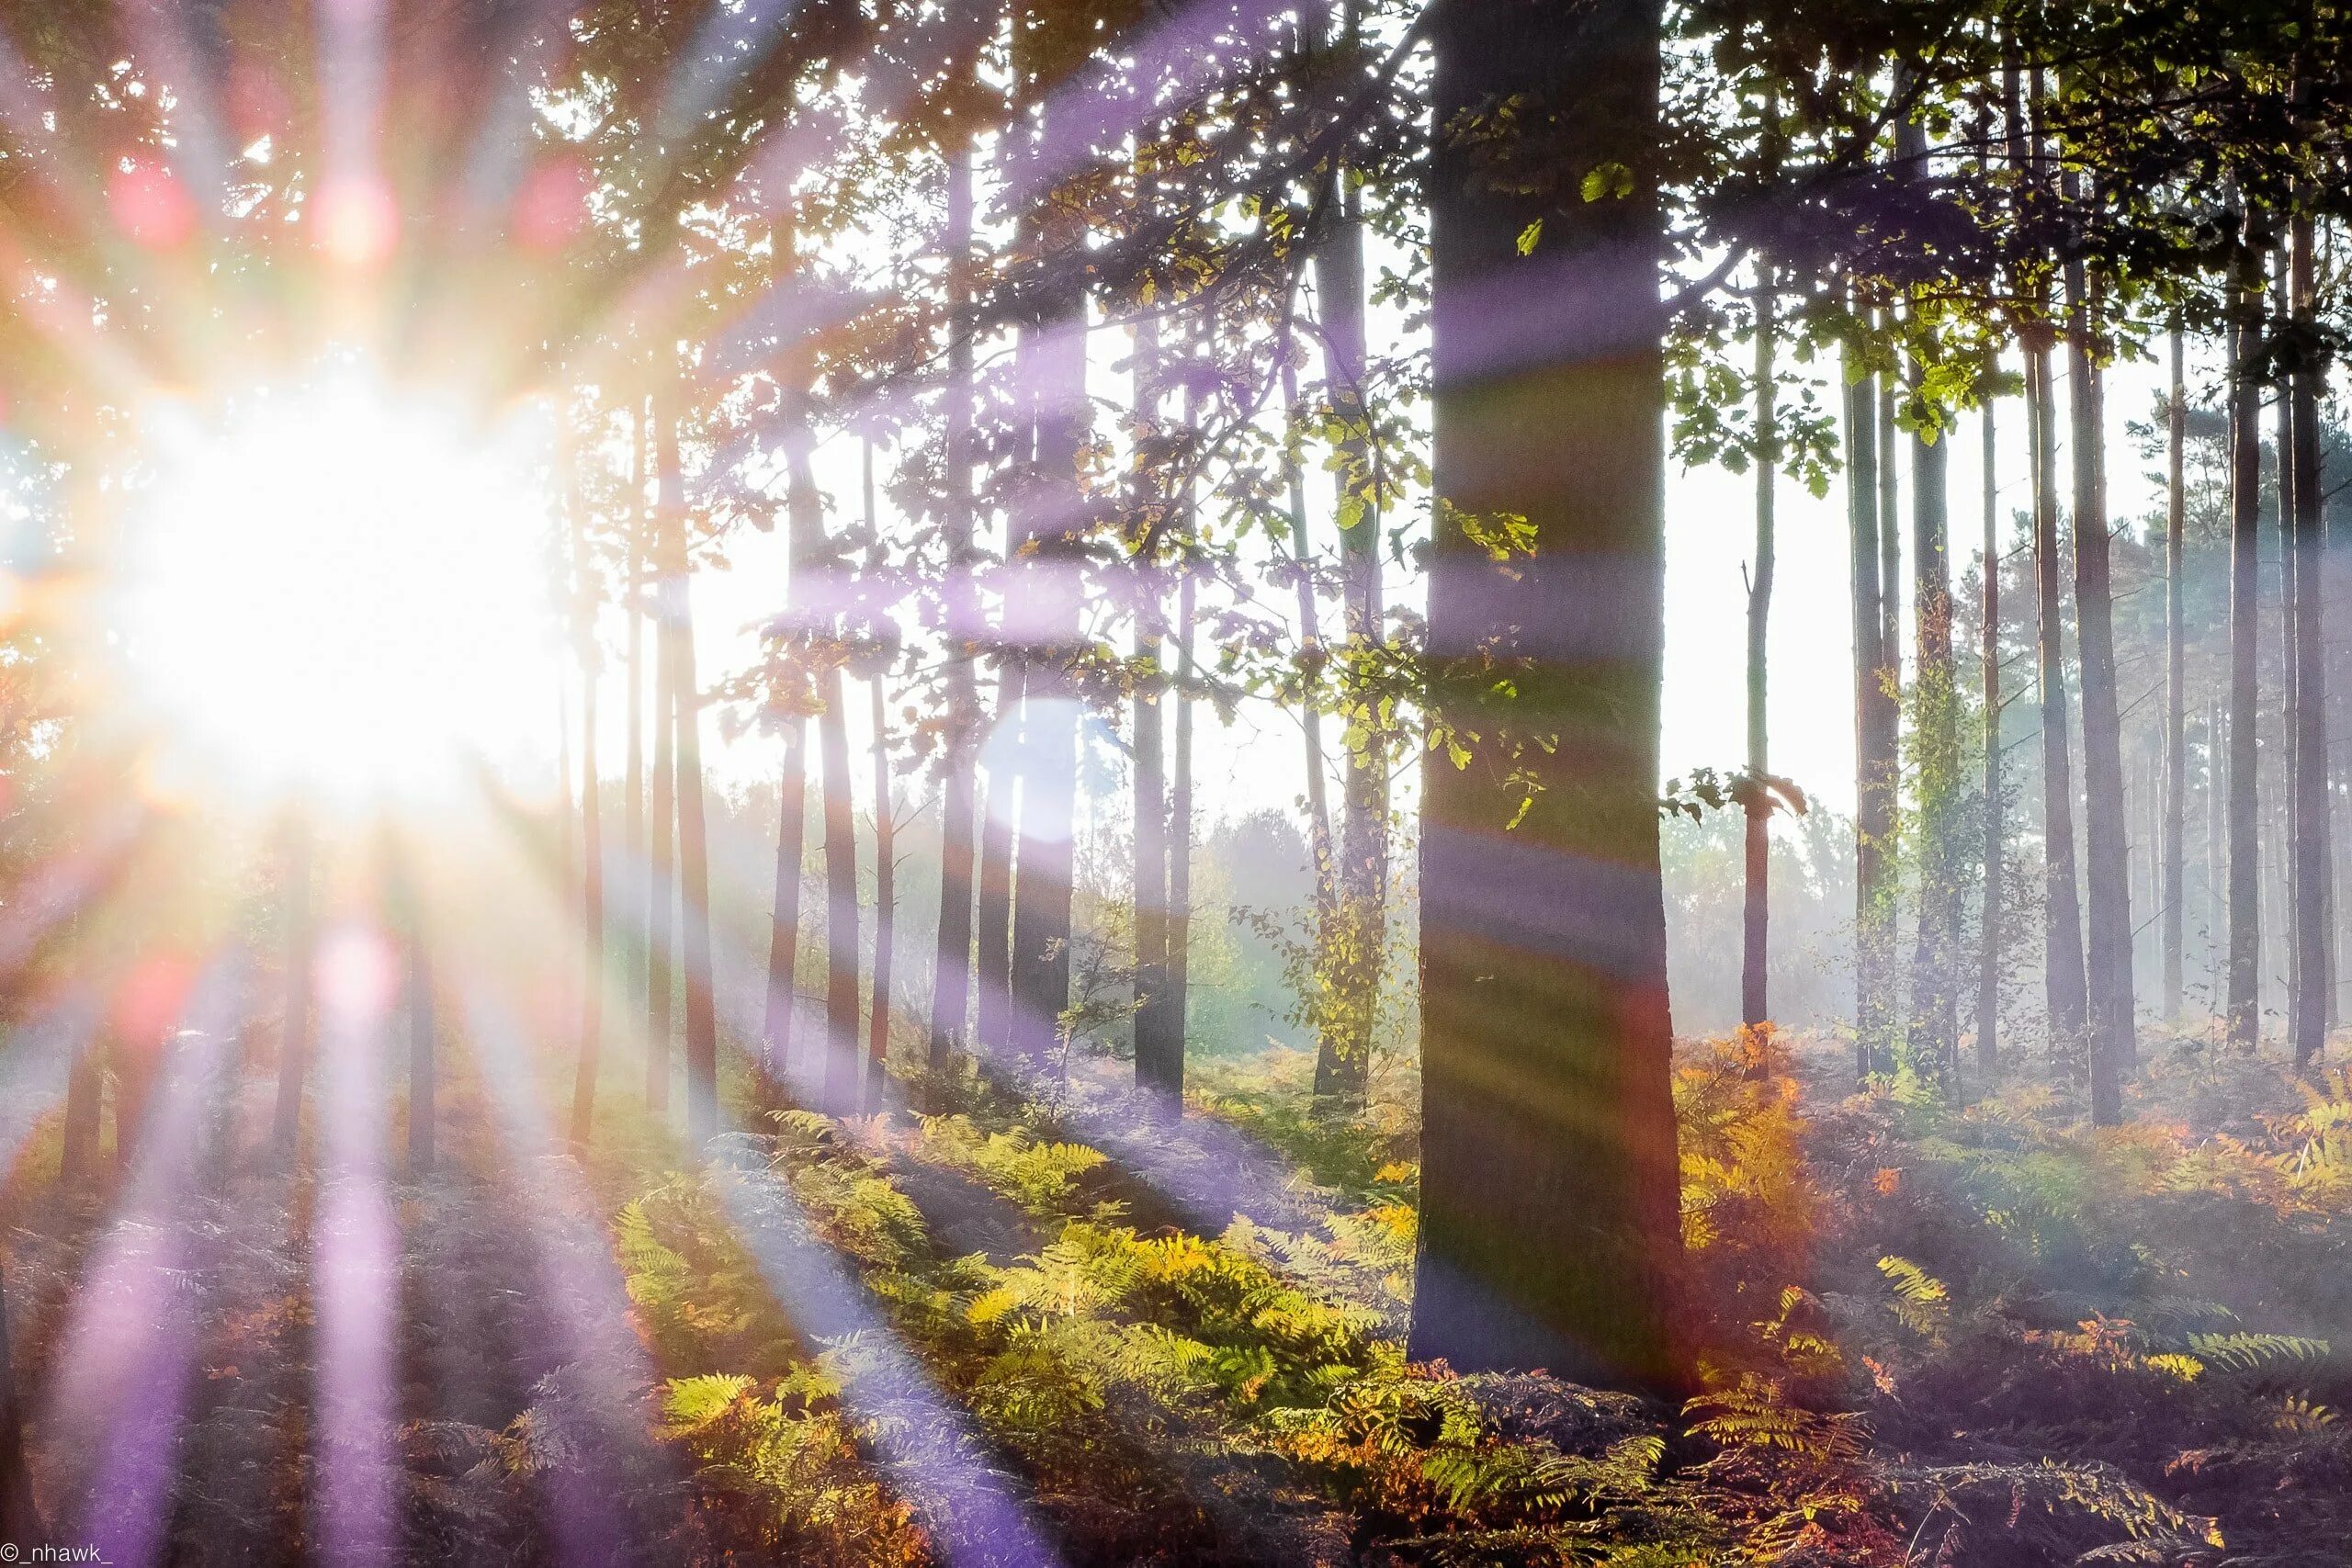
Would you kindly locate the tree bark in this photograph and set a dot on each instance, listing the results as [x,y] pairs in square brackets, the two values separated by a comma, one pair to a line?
[1755,1002]
[2107,821]
[841,1077]
[2309,713]
[993,940]
[2245,995]
[1989,933]
[805,520]
[1549,1231]
[1343,1054]
[1171,1073]
[632,939]
[1873,777]
[951,992]
[592,880]
[1159,1032]
[693,866]
[2063,981]
[2175,676]
[885,905]
[1935,988]
[661,895]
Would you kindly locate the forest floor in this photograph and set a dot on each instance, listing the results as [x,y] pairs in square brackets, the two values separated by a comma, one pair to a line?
[1028,1333]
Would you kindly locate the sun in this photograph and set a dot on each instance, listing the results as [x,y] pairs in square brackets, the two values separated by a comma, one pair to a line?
[336,591]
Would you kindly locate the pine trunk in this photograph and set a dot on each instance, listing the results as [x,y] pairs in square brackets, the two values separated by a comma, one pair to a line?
[2175,678]
[1755,1001]
[842,1075]
[2063,982]
[1343,1054]
[693,855]
[2302,460]
[951,994]
[885,909]
[1988,959]
[1549,1231]
[1874,812]
[2243,992]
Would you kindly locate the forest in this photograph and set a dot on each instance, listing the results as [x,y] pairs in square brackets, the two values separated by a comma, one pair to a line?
[1420,783]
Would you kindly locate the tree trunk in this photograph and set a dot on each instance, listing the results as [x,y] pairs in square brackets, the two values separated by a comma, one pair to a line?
[804,519]
[2302,459]
[1935,988]
[1170,1077]
[591,881]
[885,904]
[1549,1230]
[2176,677]
[85,1105]
[693,865]
[1873,778]
[660,896]
[951,992]
[841,1075]
[993,941]
[2106,823]
[1989,960]
[1755,1006]
[1159,1032]
[632,939]
[294,1047]
[1342,1071]
[2063,982]
[2245,995]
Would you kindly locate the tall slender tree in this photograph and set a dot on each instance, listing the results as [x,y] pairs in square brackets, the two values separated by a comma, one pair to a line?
[2175,764]
[2302,459]
[1991,912]
[592,835]
[2243,991]
[1343,1052]
[294,1040]
[1754,1004]
[693,855]
[951,995]
[1873,732]
[1549,1231]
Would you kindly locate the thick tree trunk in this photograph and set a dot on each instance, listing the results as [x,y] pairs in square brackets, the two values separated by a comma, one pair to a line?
[694,853]
[951,994]
[1549,1231]
[1755,1002]
[885,907]
[1170,1072]
[1935,971]
[992,944]
[2243,991]
[1159,1032]
[661,894]
[1988,953]
[592,880]
[2106,825]
[1343,1055]
[632,937]
[2302,460]
[804,519]
[78,1162]
[1873,776]
[2175,676]
[841,1079]
[294,1041]
[2063,982]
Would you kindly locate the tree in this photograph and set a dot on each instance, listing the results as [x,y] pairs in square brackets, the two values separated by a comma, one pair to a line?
[294,1039]
[2244,992]
[1756,927]
[591,830]
[2175,762]
[1549,1233]
[2305,613]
